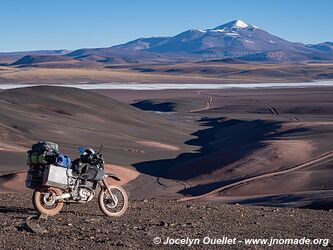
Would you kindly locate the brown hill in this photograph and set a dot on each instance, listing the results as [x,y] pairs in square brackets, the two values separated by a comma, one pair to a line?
[7,58]
[72,118]
[40,59]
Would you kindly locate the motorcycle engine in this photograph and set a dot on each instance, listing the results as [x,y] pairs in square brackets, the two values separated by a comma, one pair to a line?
[85,194]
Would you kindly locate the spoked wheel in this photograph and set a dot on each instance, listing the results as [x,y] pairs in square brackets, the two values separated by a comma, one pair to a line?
[113,205]
[45,202]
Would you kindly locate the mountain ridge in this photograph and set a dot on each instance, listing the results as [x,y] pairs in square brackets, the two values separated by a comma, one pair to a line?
[236,36]
[233,40]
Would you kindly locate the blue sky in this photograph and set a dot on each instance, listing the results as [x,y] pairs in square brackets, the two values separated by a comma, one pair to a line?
[72,24]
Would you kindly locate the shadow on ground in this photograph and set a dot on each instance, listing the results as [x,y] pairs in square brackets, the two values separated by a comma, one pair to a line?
[148,105]
[221,143]
[19,210]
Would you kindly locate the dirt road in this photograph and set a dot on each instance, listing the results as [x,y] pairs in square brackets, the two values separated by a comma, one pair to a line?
[317,161]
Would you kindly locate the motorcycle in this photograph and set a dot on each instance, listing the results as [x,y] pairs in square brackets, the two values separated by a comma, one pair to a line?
[55,185]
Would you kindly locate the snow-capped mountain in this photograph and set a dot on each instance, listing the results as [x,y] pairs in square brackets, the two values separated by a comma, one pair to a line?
[235,39]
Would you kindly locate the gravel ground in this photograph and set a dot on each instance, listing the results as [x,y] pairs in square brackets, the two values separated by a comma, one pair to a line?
[85,227]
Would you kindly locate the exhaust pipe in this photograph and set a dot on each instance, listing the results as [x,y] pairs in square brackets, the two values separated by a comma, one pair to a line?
[63,196]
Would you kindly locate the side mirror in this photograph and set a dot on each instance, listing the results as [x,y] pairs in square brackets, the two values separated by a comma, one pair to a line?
[81,150]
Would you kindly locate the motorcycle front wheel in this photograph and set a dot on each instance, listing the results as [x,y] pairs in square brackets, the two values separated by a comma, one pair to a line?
[114,204]
[45,202]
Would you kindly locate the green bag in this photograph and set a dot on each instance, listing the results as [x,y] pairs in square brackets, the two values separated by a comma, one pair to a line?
[42,153]
[41,146]
[42,158]
[34,158]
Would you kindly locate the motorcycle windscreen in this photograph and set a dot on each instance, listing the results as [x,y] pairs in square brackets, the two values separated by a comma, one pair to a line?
[92,173]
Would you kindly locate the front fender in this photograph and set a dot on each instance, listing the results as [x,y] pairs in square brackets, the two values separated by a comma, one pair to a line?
[113,176]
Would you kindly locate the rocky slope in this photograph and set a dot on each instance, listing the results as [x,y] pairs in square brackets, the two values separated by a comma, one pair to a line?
[84,227]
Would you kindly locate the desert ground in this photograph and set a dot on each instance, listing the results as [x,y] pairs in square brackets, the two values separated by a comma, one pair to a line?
[244,163]
[200,72]
[84,226]
[260,147]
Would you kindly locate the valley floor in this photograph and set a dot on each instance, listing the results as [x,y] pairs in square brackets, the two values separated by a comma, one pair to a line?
[269,147]
[199,73]
[262,146]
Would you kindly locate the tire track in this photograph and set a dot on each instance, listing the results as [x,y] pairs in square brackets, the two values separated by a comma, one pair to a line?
[209,102]
[274,111]
[159,181]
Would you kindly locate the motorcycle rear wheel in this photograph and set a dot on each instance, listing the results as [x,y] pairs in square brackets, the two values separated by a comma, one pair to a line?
[115,205]
[45,203]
